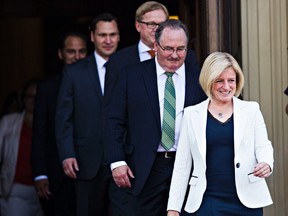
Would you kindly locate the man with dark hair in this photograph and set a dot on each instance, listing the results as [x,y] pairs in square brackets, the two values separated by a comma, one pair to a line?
[72,47]
[56,192]
[79,120]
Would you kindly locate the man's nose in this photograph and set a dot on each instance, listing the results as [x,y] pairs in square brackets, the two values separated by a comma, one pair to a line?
[108,39]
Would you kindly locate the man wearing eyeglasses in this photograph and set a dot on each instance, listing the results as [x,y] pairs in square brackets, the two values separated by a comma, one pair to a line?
[136,149]
[148,16]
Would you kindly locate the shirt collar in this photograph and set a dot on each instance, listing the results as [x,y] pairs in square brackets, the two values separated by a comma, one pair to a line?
[100,60]
[143,47]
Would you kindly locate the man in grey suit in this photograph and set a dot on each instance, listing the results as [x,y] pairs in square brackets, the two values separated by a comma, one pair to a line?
[141,166]
[79,119]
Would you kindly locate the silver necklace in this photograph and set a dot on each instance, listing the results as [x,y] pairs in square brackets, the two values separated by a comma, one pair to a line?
[220,115]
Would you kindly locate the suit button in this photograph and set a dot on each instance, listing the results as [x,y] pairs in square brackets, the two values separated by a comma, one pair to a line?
[238,165]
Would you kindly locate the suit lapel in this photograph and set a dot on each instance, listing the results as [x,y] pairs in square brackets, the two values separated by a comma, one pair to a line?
[134,55]
[17,127]
[199,121]
[150,79]
[93,75]
[240,122]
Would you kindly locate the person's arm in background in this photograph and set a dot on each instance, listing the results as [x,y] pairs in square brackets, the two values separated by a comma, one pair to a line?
[39,144]
[64,125]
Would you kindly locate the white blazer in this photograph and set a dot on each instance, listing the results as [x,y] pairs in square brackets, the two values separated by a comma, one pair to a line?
[251,145]
[10,129]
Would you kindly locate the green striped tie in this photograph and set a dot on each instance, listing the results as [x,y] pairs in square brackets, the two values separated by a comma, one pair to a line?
[168,125]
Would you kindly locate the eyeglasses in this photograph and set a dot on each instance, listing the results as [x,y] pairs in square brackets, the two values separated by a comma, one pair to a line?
[170,50]
[150,25]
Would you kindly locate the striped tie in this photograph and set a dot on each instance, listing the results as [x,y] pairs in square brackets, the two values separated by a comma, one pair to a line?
[168,126]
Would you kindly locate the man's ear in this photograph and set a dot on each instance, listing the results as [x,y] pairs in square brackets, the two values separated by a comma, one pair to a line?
[137,26]
[92,36]
[60,54]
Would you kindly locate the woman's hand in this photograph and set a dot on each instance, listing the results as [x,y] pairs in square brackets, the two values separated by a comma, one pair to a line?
[172,213]
[262,170]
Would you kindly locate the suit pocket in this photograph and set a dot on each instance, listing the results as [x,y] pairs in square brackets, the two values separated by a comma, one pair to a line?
[253,178]
[193,181]
[128,149]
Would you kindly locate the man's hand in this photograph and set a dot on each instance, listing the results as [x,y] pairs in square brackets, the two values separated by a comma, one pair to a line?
[70,165]
[42,187]
[121,176]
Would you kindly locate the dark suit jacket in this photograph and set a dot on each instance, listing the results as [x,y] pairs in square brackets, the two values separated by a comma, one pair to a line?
[135,108]
[117,61]
[79,117]
[44,154]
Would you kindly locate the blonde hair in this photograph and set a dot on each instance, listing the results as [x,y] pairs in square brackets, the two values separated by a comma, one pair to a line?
[150,6]
[213,66]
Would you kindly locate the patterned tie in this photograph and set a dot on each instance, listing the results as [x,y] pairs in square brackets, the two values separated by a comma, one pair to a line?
[168,126]
[152,53]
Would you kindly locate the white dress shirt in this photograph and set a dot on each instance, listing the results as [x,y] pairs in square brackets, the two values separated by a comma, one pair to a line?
[101,69]
[143,51]
[179,84]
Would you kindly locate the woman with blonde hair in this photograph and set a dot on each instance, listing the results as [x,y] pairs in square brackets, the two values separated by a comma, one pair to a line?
[224,145]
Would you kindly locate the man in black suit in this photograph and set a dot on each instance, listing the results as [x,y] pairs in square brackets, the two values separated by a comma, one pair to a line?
[141,166]
[148,16]
[79,120]
[56,192]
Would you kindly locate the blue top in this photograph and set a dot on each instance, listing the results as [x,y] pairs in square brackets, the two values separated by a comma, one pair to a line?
[220,157]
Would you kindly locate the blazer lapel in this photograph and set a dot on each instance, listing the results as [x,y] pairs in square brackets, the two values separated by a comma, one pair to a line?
[240,119]
[199,121]
[17,127]
[150,79]
[93,75]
